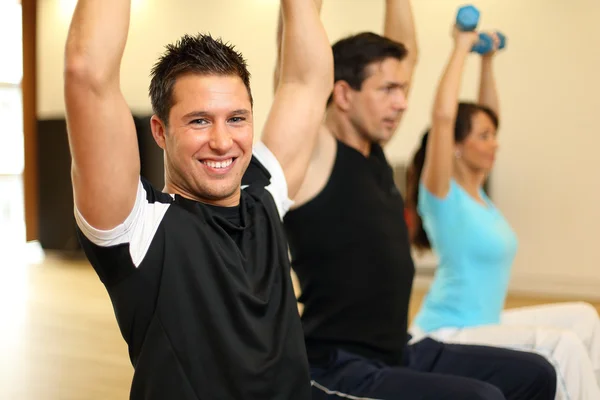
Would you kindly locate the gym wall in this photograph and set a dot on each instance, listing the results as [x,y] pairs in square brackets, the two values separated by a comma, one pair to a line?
[545,181]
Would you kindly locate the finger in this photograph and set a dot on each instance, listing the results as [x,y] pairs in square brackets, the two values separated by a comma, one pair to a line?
[496,40]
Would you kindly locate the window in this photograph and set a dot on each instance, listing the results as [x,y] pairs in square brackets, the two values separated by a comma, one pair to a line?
[11,134]
[12,217]
[11,67]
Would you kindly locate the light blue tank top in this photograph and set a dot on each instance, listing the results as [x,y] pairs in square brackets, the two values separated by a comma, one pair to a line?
[476,248]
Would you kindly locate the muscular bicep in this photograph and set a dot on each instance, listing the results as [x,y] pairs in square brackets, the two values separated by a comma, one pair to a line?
[105,156]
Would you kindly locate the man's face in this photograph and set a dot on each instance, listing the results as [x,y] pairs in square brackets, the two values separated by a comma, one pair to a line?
[208,143]
[376,109]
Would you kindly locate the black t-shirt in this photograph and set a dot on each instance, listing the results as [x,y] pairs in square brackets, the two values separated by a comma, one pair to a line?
[350,250]
[203,295]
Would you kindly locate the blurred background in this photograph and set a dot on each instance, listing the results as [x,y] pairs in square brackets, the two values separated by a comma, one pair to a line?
[58,333]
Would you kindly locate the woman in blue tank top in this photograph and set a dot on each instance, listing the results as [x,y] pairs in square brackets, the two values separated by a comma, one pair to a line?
[476,246]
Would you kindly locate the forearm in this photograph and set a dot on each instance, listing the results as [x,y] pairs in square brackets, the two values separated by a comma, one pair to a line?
[488,92]
[279,39]
[438,160]
[96,40]
[306,56]
[446,100]
[399,26]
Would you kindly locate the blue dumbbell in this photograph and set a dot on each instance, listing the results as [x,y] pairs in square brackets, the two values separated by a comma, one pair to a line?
[502,40]
[467,18]
[486,43]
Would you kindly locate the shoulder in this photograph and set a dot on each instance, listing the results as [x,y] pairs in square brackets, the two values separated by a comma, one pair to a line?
[432,205]
[154,195]
[136,232]
[265,172]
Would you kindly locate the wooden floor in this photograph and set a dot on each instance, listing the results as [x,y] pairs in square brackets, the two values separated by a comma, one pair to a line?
[60,340]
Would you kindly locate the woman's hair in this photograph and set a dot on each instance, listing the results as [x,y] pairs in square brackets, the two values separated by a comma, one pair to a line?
[462,128]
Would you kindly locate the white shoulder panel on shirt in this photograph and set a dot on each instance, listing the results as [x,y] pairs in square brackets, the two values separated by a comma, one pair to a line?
[278,187]
[138,229]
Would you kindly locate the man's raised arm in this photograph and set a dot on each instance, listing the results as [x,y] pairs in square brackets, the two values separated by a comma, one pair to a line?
[102,137]
[305,83]
[399,26]
[279,39]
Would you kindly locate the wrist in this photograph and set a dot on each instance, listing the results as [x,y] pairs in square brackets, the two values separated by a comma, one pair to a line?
[487,59]
[461,49]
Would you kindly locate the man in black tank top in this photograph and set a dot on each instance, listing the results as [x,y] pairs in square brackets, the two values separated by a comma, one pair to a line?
[350,249]
[198,272]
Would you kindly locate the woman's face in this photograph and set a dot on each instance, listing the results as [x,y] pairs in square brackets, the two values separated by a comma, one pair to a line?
[478,149]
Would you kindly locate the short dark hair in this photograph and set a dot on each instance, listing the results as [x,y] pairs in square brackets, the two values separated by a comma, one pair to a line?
[200,54]
[352,55]
[462,128]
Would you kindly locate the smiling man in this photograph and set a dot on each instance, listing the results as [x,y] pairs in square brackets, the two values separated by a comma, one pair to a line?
[198,273]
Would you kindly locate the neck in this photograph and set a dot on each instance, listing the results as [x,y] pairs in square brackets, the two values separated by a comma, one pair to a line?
[342,128]
[471,180]
[232,200]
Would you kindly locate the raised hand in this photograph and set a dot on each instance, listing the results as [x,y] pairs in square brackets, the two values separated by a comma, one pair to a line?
[464,40]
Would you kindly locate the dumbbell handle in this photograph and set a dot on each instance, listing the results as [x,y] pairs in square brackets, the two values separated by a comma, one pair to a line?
[486,43]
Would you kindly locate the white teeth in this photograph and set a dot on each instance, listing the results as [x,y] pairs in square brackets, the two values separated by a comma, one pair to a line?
[218,164]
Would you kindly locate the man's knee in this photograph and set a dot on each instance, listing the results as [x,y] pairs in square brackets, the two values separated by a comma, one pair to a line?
[463,388]
[484,391]
[541,376]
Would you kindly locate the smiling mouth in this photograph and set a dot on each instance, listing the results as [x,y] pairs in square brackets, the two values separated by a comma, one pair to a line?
[218,164]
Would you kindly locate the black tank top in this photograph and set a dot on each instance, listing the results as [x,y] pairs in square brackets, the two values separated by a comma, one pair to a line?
[350,249]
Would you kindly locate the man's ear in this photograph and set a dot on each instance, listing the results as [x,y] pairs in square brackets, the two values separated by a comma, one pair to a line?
[159,131]
[342,95]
